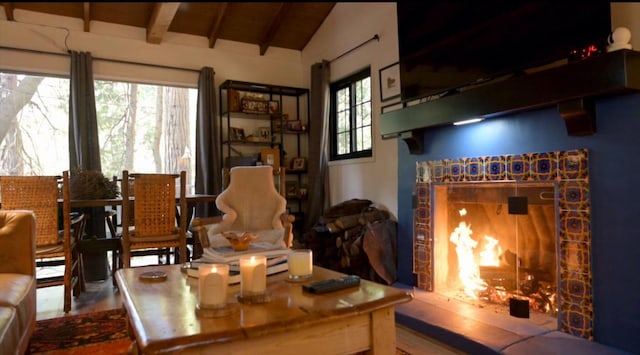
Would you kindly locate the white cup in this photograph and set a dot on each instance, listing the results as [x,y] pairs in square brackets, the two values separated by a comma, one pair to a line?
[300,264]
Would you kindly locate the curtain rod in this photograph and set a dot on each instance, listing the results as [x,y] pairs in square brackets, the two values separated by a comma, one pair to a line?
[374,38]
[102,59]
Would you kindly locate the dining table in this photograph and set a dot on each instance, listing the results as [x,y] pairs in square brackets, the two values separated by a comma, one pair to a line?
[96,243]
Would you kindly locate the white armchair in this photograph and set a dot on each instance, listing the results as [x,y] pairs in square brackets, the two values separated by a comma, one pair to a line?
[250,203]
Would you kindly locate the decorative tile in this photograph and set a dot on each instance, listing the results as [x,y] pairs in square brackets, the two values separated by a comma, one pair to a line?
[574,226]
[518,167]
[574,287]
[574,319]
[436,169]
[474,169]
[422,172]
[575,257]
[495,168]
[544,166]
[574,195]
[573,164]
[455,170]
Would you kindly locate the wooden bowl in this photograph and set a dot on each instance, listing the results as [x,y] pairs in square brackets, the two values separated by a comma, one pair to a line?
[239,242]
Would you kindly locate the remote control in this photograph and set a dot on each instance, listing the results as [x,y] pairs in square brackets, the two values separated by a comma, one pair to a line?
[331,285]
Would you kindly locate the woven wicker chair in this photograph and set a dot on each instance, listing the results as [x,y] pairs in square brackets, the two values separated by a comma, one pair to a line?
[154,215]
[40,194]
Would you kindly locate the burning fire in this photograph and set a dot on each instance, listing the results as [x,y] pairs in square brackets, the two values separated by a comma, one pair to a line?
[469,270]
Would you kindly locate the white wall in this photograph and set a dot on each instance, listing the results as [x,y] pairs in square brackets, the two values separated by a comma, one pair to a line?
[230,60]
[348,25]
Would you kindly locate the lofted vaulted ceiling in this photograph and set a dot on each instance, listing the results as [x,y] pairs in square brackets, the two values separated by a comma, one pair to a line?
[287,25]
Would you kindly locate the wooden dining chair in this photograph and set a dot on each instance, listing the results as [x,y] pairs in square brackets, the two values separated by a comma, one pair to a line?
[154,226]
[54,246]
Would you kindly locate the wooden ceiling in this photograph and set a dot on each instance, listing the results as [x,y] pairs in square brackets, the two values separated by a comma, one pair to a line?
[266,24]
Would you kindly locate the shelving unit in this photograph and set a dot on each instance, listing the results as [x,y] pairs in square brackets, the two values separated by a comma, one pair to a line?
[257,118]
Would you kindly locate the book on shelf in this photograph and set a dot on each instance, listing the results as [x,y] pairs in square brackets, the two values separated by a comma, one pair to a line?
[274,265]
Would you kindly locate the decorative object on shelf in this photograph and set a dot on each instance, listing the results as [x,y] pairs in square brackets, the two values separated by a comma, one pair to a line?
[234,100]
[620,38]
[237,134]
[390,82]
[299,164]
[270,156]
[91,185]
[294,125]
[274,107]
[264,133]
[303,192]
[292,188]
[255,106]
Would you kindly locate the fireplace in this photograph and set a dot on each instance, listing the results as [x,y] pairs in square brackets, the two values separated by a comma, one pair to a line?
[495,242]
[513,227]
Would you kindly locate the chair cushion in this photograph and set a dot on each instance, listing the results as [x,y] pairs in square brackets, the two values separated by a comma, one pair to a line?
[19,291]
[9,331]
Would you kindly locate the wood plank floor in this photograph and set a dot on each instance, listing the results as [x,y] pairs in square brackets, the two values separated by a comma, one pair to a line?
[102,295]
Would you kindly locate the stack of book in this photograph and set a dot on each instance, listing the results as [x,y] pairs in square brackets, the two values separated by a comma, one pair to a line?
[276,259]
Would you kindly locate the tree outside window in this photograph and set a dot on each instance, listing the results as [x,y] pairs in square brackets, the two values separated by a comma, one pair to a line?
[141,127]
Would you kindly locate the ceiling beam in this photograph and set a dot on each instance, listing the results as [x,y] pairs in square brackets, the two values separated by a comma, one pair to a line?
[86,15]
[8,10]
[215,29]
[161,17]
[274,27]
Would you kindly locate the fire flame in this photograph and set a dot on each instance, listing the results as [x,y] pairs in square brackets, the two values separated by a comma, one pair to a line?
[469,271]
[490,256]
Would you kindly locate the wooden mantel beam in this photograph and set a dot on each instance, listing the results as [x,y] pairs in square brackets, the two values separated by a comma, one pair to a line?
[161,18]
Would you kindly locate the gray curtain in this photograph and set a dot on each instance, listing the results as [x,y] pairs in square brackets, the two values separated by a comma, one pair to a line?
[318,143]
[84,152]
[84,147]
[208,165]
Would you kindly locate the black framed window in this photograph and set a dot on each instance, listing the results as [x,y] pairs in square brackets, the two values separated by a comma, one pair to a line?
[351,122]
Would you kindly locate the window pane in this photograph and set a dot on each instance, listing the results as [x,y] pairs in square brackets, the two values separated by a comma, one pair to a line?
[146,128]
[343,121]
[34,131]
[343,143]
[343,99]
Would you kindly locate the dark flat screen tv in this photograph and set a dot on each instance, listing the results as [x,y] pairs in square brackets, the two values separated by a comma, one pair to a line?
[447,45]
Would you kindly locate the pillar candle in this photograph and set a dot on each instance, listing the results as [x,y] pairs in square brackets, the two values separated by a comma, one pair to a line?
[301,262]
[212,284]
[253,274]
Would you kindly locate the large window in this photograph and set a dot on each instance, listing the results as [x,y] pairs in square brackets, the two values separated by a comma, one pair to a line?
[141,128]
[350,124]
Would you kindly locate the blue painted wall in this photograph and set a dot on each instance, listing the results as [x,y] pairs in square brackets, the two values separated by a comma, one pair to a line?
[614,153]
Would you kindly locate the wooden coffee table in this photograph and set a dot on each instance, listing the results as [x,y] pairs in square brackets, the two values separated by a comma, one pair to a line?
[162,317]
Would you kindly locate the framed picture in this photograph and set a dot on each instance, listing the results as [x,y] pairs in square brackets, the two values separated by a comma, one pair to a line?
[274,107]
[264,133]
[292,189]
[294,125]
[390,82]
[270,156]
[299,164]
[236,134]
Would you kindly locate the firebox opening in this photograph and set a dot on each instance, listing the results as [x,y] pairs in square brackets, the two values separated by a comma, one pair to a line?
[486,255]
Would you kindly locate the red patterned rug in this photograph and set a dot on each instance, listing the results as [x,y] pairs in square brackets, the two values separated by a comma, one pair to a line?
[97,333]
[90,333]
